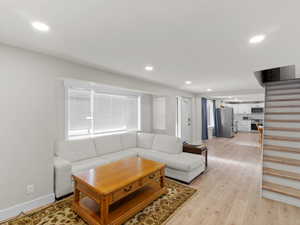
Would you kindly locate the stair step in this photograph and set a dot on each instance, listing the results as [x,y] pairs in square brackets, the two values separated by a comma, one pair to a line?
[282,124]
[281,160]
[279,94]
[281,148]
[283,100]
[282,174]
[283,129]
[283,110]
[284,88]
[292,192]
[283,97]
[284,134]
[283,106]
[282,113]
[283,82]
[281,138]
[282,116]
[283,154]
[282,121]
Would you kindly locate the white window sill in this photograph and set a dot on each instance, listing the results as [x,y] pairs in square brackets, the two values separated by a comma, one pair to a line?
[99,135]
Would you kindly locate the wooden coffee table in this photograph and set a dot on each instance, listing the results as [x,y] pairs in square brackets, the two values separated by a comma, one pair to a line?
[117,191]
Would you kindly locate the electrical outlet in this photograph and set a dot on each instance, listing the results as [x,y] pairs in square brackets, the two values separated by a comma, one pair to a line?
[30,189]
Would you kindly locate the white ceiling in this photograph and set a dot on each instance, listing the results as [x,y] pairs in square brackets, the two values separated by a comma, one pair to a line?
[205,41]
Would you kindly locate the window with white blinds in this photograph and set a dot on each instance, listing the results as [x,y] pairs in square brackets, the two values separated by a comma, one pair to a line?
[79,112]
[159,113]
[95,113]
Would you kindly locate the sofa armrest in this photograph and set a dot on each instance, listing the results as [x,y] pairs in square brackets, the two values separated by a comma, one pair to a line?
[61,163]
[197,149]
[62,177]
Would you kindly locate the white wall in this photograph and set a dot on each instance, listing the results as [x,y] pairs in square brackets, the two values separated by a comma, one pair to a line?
[27,119]
[146,113]
[197,117]
[171,117]
[32,116]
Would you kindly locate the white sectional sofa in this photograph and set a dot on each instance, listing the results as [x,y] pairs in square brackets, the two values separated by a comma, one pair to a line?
[74,156]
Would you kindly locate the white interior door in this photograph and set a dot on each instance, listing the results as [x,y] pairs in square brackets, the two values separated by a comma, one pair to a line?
[186,119]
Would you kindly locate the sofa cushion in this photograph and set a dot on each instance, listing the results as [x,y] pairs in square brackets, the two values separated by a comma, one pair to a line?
[145,140]
[87,164]
[75,150]
[137,151]
[108,144]
[128,140]
[112,157]
[183,161]
[168,144]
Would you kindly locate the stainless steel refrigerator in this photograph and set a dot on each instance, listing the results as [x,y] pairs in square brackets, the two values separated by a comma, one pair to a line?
[224,119]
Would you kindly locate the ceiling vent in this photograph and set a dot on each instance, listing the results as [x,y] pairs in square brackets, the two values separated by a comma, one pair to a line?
[276,74]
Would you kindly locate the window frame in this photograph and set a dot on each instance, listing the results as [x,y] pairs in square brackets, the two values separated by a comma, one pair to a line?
[92,132]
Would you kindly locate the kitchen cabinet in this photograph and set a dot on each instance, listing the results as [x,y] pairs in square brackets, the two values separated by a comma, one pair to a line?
[244,125]
[244,109]
[258,105]
[235,108]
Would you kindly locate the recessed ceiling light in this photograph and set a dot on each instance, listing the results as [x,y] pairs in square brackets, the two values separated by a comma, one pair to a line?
[257,39]
[149,68]
[188,82]
[208,89]
[40,26]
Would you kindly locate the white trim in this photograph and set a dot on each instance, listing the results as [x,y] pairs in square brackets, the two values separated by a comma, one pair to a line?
[26,206]
[79,137]
[92,96]
[67,116]
[180,122]
[178,116]
[139,113]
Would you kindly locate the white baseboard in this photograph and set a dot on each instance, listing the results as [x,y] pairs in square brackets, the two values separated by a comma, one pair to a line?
[26,206]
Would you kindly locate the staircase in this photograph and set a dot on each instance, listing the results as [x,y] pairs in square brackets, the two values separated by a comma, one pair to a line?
[281,147]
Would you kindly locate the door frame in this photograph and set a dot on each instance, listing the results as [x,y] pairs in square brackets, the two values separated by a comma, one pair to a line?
[179,116]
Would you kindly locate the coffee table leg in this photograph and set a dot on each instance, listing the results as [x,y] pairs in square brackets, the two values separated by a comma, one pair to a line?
[76,193]
[104,208]
[162,178]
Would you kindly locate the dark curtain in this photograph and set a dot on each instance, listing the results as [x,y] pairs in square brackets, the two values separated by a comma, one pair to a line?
[204,118]
[215,119]
[216,131]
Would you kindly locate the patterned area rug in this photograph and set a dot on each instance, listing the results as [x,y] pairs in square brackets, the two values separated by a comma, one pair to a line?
[61,213]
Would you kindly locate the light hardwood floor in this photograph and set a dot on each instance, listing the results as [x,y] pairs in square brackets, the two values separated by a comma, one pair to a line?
[229,192]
